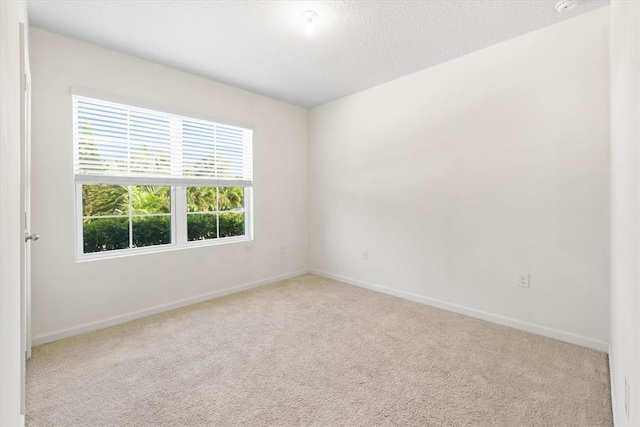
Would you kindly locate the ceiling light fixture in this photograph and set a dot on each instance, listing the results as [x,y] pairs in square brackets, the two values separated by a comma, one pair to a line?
[564,5]
[309,16]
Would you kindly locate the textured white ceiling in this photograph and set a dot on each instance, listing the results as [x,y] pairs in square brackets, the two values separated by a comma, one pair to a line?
[261,46]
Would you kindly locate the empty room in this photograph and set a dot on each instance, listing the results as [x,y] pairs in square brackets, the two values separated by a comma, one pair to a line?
[319,213]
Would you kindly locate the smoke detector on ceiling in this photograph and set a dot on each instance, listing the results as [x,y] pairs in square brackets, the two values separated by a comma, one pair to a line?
[564,5]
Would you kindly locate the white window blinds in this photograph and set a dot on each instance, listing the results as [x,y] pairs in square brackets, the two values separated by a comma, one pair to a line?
[121,144]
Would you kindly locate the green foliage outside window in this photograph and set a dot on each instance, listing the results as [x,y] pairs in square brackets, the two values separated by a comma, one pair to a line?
[212,213]
[203,226]
[105,234]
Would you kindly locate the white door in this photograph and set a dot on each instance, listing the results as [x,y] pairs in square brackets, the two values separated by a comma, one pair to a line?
[25,258]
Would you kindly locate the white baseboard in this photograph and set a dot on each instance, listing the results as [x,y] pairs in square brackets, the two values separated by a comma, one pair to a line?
[506,321]
[111,321]
[23,420]
[494,318]
[613,393]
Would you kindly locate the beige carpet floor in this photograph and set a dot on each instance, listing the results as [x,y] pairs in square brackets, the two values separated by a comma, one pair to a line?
[312,351]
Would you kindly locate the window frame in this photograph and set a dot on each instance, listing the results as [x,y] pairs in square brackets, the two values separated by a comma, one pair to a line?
[179,238]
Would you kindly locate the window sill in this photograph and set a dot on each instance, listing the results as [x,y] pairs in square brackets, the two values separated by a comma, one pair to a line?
[122,253]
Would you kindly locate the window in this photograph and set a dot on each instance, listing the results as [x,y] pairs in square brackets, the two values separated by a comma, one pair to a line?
[147,179]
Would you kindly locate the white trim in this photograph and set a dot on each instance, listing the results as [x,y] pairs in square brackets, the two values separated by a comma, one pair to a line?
[494,318]
[23,420]
[116,320]
[77,220]
[248,212]
[613,394]
[179,219]
[119,253]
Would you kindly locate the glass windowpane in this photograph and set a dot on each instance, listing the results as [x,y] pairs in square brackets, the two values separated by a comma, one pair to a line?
[202,226]
[101,200]
[230,198]
[147,199]
[201,199]
[151,230]
[105,234]
[231,224]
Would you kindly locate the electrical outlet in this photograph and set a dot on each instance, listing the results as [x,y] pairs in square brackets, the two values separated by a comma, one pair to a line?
[523,280]
[627,391]
[365,254]
[283,250]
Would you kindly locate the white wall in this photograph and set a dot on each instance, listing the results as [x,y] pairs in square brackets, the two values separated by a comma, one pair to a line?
[69,297]
[458,177]
[11,15]
[625,209]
